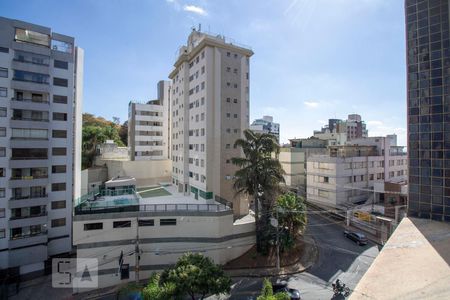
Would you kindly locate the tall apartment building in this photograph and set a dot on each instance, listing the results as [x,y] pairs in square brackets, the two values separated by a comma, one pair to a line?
[428,58]
[210,110]
[148,126]
[352,128]
[347,174]
[266,125]
[41,83]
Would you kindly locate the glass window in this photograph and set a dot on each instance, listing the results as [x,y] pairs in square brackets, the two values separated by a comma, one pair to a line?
[59,99]
[2,131]
[93,226]
[61,64]
[59,116]
[59,169]
[121,224]
[167,222]
[148,222]
[3,92]
[58,204]
[31,77]
[4,72]
[28,36]
[2,233]
[61,46]
[59,151]
[4,50]
[60,82]
[2,193]
[25,133]
[56,187]
[2,111]
[59,134]
[59,222]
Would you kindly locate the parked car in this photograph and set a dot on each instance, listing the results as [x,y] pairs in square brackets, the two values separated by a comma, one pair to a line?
[282,287]
[357,237]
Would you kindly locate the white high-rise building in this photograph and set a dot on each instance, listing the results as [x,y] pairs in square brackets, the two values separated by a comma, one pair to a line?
[266,125]
[41,87]
[209,111]
[148,126]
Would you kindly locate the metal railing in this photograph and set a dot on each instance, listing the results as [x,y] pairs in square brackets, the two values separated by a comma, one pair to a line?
[31,100]
[24,236]
[153,208]
[29,197]
[28,158]
[42,214]
[30,177]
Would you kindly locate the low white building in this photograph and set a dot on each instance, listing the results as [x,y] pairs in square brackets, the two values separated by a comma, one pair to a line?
[165,226]
[347,174]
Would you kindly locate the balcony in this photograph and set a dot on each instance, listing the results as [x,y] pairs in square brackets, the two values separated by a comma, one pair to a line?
[27,201]
[27,240]
[28,85]
[26,181]
[30,66]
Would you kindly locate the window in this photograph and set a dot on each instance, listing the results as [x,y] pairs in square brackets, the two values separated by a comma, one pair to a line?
[59,169]
[203,85]
[57,187]
[59,222]
[125,272]
[93,226]
[2,111]
[3,92]
[60,82]
[2,233]
[61,46]
[4,50]
[323,193]
[4,72]
[227,146]
[2,193]
[59,99]
[167,222]
[228,100]
[228,54]
[31,77]
[203,69]
[59,116]
[2,172]
[2,131]
[58,204]
[235,55]
[235,85]
[61,64]
[228,115]
[148,222]
[59,134]
[59,151]
[24,133]
[235,116]
[2,212]
[121,224]
[228,69]
[2,151]
[235,100]
[33,37]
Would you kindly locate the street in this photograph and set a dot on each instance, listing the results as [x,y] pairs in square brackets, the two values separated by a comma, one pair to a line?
[339,257]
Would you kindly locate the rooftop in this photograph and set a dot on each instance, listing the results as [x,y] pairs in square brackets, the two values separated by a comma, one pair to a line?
[413,264]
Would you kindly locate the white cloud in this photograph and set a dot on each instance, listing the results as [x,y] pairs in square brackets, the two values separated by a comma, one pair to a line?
[311,104]
[374,123]
[195,9]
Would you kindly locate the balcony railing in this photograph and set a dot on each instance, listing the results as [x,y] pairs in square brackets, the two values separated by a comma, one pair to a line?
[29,158]
[80,210]
[42,214]
[23,236]
[31,100]
[30,80]
[29,119]
[30,177]
[32,196]
[31,62]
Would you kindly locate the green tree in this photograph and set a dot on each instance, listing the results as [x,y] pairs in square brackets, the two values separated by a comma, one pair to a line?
[259,176]
[292,213]
[96,130]
[195,274]
[123,133]
[267,292]
[156,291]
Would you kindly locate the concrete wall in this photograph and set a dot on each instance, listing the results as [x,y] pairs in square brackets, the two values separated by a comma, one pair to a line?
[212,234]
[146,172]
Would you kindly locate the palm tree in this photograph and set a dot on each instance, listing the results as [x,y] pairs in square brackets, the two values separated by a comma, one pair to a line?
[259,176]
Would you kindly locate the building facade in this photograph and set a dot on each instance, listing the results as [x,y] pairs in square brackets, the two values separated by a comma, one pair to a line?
[41,84]
[148,126]
[428,58]
[209,111]
[352,128]
[266,125]
[347,174]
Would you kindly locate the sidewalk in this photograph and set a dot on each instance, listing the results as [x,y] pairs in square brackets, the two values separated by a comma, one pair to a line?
[308,259]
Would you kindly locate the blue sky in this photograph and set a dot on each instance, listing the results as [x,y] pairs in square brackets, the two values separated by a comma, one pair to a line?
[314,59]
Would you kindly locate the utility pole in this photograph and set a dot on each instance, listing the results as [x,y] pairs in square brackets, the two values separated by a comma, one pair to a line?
[137,251]
[278,244]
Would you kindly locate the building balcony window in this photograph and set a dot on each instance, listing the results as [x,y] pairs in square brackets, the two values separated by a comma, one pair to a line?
[26,215]
[30,196]
[33,100]
[31,77]
[28,231]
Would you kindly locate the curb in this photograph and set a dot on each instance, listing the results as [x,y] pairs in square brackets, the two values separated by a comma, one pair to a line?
[275,274]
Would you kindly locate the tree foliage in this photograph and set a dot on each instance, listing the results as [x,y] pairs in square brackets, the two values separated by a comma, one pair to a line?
[259,176]
[267,292]
[156,291]
[292,213]
[197,276]
[96,130]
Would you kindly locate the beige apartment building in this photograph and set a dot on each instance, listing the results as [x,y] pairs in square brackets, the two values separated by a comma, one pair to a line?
[348,173]
[209,111]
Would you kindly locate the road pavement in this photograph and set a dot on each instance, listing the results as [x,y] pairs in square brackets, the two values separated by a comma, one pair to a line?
[339,257]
